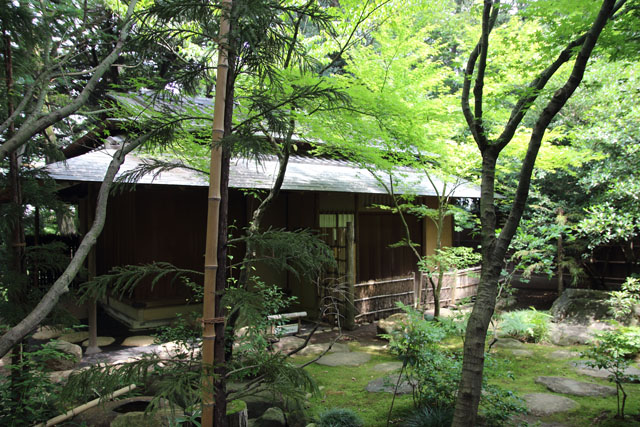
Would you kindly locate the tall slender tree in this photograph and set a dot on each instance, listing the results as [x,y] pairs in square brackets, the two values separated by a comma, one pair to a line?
[490,144]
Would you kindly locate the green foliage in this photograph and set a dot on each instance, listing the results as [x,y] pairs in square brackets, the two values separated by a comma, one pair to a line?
[434,372]
[449,258]
[339,417]
[612,352]
[300,252]
[430,417]
[27,395]
[122,281]
[527,325]
[623,301]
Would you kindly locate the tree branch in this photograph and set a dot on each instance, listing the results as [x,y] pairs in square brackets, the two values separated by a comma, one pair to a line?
[28,130]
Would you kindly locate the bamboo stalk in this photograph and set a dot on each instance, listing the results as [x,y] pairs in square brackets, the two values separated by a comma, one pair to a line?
[211,255]
[88,405]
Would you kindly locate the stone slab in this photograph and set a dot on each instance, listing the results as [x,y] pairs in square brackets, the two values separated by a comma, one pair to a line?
[582,368]
[102,341]
[508,343]
[344,359]
[575,388]
[47,333]
[75,337]
[563,354]
[315,349]
[138,341]
[388,384]
[542,404]
[388,367]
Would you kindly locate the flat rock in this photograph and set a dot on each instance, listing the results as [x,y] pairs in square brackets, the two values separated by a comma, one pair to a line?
[138,341]
[286,344]
[541,404]
[47,333]
[388,367]
[71,355]
[272,417]
[563,354]
[508,343]
[102,341]
[576,388]
[75,337]
[444,313]
[582,368]
[344,359]
[315,349]
[565,334]
[522,353]
[388,385]
[391,323]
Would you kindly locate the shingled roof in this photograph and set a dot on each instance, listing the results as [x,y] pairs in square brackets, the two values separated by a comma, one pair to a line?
[303,174]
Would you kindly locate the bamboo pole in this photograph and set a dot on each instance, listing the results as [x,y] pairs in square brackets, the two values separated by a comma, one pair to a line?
[349,308]
[211,256]
[88,405]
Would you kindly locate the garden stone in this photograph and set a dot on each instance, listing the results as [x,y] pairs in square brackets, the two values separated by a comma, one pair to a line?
[75,337]
[542,404]
[563,354]
[287,344]
[138,341]
[388,384]
[162,417]
[315,349]
[72,355]
[566,334]
[102,341]
[576,388]
[581,306]
[391,323]
[105,413]
[444,313]
[508,343]
[344,359]
[273,417]
[47,333]
[388,367]
[522,353]
[582,368]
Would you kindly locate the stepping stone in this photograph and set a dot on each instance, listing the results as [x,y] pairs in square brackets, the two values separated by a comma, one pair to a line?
[138,341]
[286,344]
[582,368]
[508,343]
[576,388]
[522,353]
[315,349]
[388,385]
[75,337]
[102,341]
[563,354]
[47,333]
[344,359]
[388,367]
[542,404]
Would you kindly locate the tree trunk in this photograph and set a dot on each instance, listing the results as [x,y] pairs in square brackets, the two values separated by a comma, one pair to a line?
[61,285]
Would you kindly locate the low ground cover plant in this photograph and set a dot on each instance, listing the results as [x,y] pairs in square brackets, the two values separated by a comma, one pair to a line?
[526,325]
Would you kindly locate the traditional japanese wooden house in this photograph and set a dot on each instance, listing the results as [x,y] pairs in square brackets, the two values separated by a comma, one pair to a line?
[163,218]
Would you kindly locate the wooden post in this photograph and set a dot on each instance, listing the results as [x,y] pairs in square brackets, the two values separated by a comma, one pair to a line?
[350,309]
[454,287]
[415,290]
[211,257]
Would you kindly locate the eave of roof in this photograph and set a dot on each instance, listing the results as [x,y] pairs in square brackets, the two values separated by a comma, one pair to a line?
[303,174]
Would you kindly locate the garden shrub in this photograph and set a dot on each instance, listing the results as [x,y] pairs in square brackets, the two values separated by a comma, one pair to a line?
[526,325]
[434,372]
[339,417]
[33,397]
[613,352]
[427,416]
[622,301]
